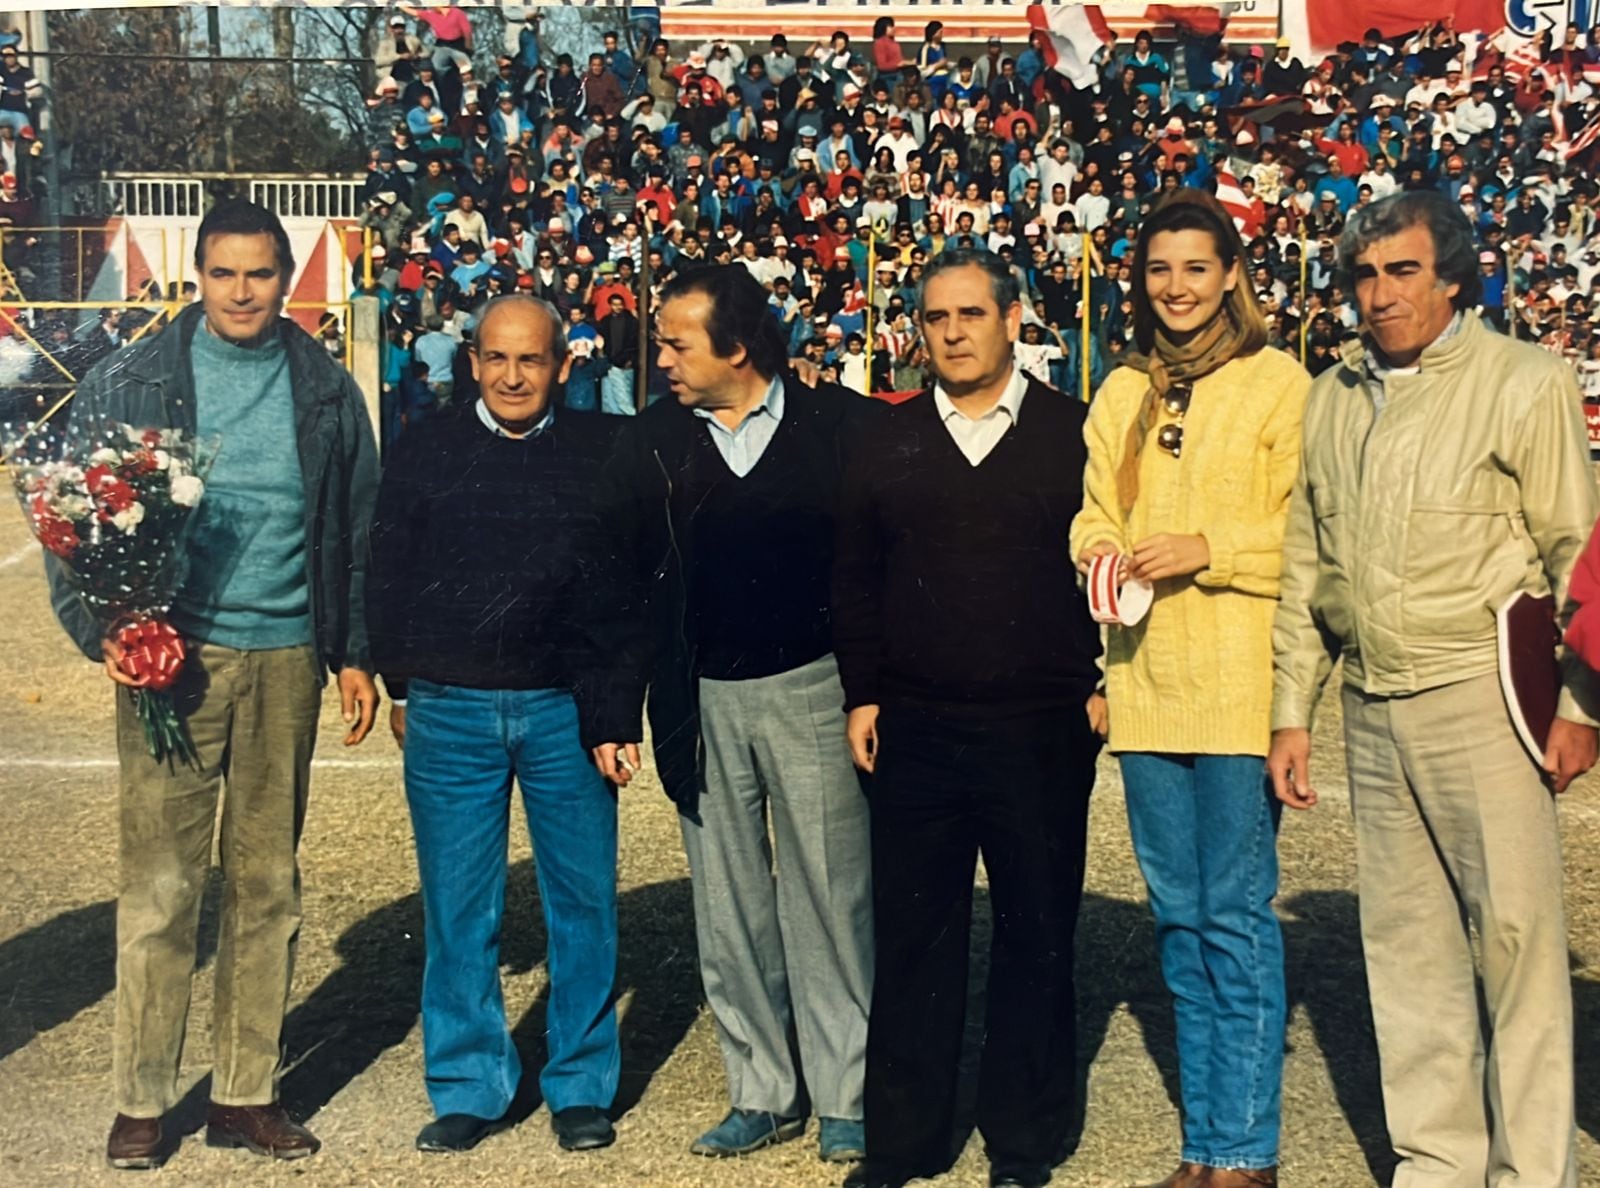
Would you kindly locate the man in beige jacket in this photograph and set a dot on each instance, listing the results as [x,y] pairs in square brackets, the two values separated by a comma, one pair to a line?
[1445,468]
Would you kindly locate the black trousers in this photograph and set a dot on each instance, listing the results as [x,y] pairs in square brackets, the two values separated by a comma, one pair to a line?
[1018,792]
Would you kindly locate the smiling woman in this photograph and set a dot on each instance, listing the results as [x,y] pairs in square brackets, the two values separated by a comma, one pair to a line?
[1193,448]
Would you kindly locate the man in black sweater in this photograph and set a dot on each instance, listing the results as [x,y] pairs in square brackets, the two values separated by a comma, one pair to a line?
[498,626]
[729,492]
[968,658]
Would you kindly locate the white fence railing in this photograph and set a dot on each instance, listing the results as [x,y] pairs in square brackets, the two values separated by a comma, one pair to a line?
[181,196]
[158,197]
[334,198]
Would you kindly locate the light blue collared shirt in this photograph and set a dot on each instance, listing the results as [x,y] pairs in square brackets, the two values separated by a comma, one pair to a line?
[741,448]
[499,430]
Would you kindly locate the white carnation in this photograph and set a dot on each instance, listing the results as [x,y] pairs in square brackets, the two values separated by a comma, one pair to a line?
[163,459]
[186,490]
[105,457]
[129,517]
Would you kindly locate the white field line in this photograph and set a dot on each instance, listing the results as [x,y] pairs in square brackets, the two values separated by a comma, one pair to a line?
[110,764]
[21,555]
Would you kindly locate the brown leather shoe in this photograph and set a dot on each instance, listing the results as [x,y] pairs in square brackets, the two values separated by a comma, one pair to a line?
[1187,1175]
[1241,1177]
[136,1144]
[264,1129]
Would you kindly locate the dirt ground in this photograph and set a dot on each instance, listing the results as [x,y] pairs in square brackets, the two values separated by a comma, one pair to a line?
[355,1047]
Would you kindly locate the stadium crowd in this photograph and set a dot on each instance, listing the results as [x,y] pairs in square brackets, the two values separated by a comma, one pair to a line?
[835,172]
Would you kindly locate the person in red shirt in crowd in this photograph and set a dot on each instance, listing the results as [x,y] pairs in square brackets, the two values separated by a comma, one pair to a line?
[1352,156]
[1174,143]
[452,33]
[656,193]
[887,53]
[607,287]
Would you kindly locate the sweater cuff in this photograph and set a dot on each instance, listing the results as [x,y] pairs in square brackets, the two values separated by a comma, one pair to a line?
[396,688]
[1219,571]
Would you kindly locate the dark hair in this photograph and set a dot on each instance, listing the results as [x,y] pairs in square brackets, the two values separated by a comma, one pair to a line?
[1002,281]
[238,217]
[1455,255]
[881,26]
[740,315]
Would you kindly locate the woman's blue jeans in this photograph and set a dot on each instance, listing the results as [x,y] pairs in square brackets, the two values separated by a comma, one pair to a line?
[1205,832]
[462,749]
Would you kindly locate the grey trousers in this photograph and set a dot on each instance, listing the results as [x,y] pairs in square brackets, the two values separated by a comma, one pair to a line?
[784,929]
[1454,826]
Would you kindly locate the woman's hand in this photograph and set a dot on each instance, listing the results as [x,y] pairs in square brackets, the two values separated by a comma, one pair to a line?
[1104,548]
[1168,555]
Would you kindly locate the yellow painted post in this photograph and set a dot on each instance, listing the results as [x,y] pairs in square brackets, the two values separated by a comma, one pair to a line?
[80,263]
[1083,316]
[872,285]
[1305,302]
[366,259]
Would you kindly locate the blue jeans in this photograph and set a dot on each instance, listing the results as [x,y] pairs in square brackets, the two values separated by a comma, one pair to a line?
[1205,832]
[616,392]
[462,748]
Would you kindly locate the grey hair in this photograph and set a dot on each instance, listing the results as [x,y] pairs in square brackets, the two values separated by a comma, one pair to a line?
[1454,252]
[1002,281]
[558,324]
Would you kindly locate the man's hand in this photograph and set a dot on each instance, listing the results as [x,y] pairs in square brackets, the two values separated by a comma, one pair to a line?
[617,762]
[1289,765]
[861,728]
[1168,555]
[112,651]
[1099,715]
[397,725]
[1569,753]
[358,703]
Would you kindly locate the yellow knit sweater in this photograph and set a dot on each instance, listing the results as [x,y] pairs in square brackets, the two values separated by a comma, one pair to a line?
[1195,677]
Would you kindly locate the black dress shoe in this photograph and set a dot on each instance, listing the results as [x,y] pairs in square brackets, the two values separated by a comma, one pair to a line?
[1018,1175]
[877,1175]
[582,1128]
[456,1132]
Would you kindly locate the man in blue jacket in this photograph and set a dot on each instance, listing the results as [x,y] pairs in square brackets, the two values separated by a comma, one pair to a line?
[273,601]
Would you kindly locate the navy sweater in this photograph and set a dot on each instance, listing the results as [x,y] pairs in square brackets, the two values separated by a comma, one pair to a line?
[494,568]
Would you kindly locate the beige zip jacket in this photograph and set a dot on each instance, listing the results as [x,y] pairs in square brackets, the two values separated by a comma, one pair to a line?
[1410,526]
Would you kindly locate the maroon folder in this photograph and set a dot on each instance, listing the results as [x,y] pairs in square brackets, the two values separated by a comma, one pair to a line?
[1530,675]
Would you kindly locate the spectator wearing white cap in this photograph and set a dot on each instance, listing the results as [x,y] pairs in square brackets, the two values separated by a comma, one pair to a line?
[397,51]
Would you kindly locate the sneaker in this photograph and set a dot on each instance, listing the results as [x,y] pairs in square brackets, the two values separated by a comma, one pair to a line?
[842,1140]
[744,1131]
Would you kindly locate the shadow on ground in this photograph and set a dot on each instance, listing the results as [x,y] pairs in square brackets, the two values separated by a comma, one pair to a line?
[54,971]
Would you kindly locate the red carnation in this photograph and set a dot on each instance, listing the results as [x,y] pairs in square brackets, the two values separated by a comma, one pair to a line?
[151,438]
[113,494]
[56,534]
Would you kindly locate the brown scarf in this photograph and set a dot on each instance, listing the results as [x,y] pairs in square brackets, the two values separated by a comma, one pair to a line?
[1169,364]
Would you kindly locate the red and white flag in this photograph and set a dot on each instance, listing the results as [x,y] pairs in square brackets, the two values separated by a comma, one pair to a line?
[1236,204]
[1584,139]
[1073,35]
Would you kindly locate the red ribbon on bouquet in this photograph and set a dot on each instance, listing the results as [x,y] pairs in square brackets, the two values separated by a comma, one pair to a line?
[151,649]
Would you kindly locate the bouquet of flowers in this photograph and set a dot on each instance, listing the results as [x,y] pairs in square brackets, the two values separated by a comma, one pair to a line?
[112,504]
